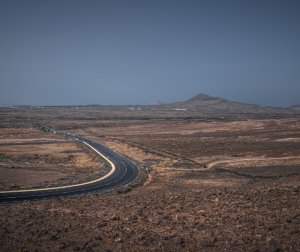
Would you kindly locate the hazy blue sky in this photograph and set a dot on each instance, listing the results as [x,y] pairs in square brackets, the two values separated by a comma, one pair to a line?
[136,52]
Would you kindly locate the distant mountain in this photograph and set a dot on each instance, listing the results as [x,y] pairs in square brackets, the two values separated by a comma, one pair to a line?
[203,104]
[207,101]
[204,99]
[296,106]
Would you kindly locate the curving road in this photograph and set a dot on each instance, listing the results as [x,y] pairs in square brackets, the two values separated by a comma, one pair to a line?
[122,172]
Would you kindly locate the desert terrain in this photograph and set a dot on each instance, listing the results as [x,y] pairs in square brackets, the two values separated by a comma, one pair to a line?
[32,159]
[206,184]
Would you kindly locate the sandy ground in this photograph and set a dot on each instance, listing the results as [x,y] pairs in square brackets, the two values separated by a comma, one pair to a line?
[32,159]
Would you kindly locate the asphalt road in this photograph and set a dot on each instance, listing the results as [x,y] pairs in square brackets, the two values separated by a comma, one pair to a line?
[123,171]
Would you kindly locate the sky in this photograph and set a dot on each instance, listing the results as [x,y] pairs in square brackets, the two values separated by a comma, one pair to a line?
[78,52]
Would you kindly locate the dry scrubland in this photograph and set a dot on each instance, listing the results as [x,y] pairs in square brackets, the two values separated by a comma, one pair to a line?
[30,158]
[214,185]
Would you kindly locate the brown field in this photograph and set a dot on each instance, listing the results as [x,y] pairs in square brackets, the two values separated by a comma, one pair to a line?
[213,185]
[33,159]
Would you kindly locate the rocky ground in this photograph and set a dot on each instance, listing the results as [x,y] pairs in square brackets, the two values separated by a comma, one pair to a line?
[212,186]
[255,215]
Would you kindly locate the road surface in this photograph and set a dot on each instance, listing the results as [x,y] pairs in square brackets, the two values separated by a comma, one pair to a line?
[122,172]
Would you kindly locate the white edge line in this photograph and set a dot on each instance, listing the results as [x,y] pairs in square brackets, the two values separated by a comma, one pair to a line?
[113,168]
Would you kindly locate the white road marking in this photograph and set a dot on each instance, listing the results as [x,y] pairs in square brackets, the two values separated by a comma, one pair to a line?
[113,168]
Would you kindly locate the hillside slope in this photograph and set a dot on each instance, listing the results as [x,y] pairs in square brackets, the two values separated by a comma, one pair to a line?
[215,106]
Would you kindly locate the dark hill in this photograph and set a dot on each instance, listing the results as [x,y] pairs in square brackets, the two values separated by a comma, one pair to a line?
[297,106]
[206,105]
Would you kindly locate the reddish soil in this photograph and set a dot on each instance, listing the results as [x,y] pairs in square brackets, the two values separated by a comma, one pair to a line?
[212,186]
[254,215]
[31,159]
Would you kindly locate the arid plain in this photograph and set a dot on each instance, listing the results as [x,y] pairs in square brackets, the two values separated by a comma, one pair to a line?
[208,182]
